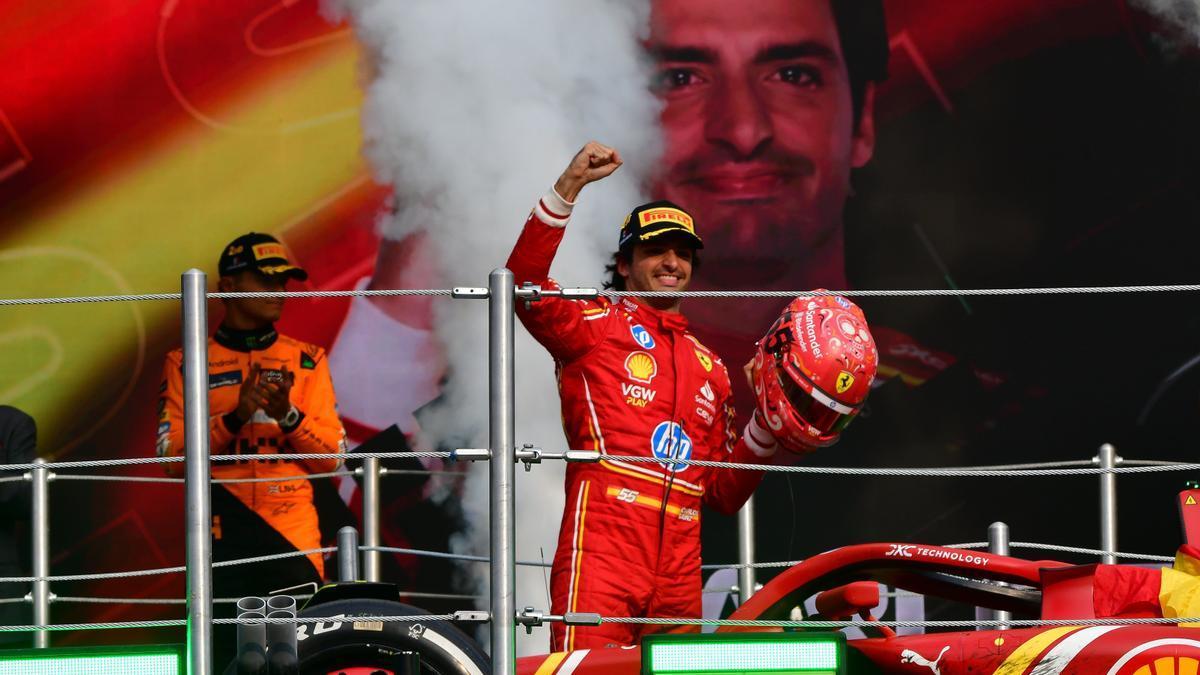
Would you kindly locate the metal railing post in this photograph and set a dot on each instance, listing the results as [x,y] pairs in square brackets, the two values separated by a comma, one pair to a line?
[370,505]
[747,583]
[997,538]
[1108,503]
[40,476]
[347,554]
[196,484]
[502,441]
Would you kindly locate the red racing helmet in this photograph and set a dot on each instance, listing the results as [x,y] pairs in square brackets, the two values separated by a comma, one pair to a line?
[813,370]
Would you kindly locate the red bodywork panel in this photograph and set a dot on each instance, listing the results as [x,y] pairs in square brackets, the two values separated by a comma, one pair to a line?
[1189,515]
[958,575]
[846,601]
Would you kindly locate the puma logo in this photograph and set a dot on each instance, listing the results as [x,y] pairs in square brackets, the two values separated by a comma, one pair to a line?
[909,656]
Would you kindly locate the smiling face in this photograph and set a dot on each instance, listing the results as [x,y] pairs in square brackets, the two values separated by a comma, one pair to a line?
[760,133]
[656,265]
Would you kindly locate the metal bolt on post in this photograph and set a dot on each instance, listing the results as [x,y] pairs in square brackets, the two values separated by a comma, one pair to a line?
[370,475]
[502,434]
[746,581]
[197,479]
[40,476]
[998,544]
[347,554]
[1108,502]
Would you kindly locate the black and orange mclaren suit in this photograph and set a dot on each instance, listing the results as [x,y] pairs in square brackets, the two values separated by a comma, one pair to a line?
[264,517]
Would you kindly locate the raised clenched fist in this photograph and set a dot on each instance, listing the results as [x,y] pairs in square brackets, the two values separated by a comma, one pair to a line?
[592,163]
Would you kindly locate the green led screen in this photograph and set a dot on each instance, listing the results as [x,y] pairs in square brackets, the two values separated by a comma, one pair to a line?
[164,660]
[744,654]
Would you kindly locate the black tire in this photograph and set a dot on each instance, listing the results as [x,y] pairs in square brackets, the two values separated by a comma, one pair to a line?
[443,648]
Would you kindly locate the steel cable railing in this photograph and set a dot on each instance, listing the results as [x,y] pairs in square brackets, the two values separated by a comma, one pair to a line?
[1010,470]
[180,601]
[1037,469]
[292,456]
[480,559]
[176,623]
[964,624]
[586,292]
[168,570]
[967,624]
[1070,549]
[472,617]
[914,293]
[233,481]
[144,297]
[908,472]
[501,294]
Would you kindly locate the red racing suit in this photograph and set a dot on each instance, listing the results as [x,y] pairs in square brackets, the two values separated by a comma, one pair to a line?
[247,524]
[633,381]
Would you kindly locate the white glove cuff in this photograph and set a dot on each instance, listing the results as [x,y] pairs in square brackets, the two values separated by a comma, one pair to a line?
[553,210]
[760,441]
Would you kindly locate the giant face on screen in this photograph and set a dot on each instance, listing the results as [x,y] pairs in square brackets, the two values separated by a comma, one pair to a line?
[761,133]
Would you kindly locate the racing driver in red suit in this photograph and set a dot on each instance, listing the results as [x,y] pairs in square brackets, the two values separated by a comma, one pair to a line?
[634,382]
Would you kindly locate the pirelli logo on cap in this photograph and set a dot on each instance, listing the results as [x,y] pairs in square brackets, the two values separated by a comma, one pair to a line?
[654,219]
[265,251]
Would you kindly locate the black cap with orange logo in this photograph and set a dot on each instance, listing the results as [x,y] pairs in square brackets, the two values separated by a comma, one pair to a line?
[260,252]
[654,219]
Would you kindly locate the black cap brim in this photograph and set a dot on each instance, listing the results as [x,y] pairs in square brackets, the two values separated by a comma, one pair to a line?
[684,233]
[292,271]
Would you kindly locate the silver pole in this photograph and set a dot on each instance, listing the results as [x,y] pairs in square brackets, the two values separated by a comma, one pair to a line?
[998,544]
[198,508]
[1108,503]
[370,477]
[347,554]
[501,300]
[746,581]
[40,476]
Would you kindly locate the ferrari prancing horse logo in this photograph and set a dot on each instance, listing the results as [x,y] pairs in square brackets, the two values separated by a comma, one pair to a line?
[844,381]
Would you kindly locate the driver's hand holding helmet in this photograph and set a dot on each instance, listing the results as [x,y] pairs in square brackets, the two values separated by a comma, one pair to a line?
[812,371]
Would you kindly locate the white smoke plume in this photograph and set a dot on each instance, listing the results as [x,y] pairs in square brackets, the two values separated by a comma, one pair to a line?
[473,108]
[1183,15]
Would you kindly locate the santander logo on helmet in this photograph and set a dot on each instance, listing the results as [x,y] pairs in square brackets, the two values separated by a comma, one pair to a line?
[813,370]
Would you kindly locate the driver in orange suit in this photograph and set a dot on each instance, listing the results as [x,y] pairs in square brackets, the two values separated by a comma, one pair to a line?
[268,395]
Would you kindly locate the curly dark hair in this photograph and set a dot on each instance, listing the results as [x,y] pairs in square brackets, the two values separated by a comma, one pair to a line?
[615,281]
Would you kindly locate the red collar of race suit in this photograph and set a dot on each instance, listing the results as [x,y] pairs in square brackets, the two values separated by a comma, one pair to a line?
[672,321]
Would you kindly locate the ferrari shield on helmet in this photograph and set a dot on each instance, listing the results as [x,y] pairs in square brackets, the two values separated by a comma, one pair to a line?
[813,370]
